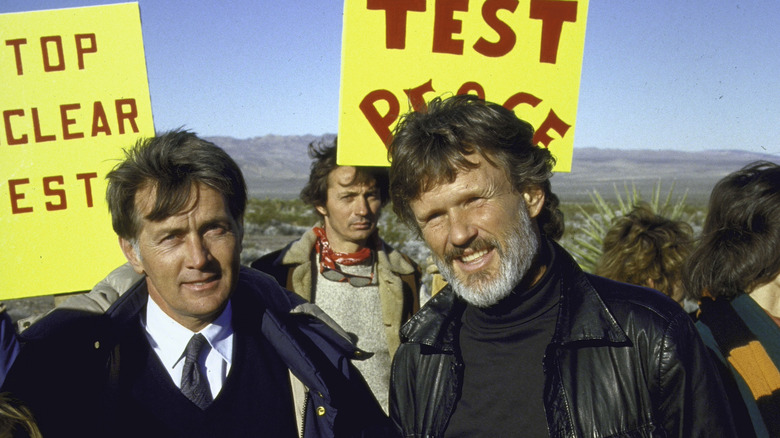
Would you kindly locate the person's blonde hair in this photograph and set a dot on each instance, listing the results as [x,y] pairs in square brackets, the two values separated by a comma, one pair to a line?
[643,247]
[16,419]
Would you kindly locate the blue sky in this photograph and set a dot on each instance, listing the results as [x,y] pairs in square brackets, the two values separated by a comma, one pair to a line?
[657,74]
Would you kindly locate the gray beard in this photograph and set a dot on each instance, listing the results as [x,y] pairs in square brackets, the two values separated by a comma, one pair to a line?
[516,254]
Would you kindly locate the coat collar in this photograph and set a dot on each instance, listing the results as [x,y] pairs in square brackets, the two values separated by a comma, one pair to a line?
[260,303]
[582,315]
[299,252]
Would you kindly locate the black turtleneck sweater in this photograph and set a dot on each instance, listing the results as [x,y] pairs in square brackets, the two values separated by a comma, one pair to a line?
[502,348]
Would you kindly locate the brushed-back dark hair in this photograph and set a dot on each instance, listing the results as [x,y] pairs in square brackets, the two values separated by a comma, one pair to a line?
[323,155]
[739,247]
[431,146]
[171,162]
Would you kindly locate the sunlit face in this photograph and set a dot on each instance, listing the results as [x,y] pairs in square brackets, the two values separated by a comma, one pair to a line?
[351,211]
[191,259]
[480,231]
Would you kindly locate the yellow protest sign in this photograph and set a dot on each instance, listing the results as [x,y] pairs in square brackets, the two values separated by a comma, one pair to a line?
[398,54]
[74,94]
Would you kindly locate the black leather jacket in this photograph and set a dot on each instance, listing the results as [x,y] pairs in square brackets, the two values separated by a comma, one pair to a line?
[624,361]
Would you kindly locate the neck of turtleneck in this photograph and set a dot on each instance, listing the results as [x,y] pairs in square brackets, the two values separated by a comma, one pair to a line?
[502,349]
[519,307]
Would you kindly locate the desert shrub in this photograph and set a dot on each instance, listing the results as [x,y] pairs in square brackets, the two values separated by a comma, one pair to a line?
[587,224]
[265,213]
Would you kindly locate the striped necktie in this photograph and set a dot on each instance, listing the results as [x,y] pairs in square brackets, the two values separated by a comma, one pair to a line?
[194,385]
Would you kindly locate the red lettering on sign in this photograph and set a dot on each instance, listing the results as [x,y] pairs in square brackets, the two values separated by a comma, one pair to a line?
[521,98]
[87,178]
[99,120]
[130,115]
[395,18]
[39,137]
[16,44]
[16,197]
[551,123]
[416,94]
[53,187]
[53,53]
[81,50]
[473,88]
[445,25]
[506,36]
[9,133]
[47,66]
[69,114]
[60,193]
[66,122]
[381,123]
[552,13]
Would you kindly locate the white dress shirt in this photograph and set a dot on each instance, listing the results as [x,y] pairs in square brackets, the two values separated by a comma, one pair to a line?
[168,339]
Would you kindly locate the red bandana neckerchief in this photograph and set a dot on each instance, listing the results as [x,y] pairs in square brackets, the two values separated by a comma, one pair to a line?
[329,258]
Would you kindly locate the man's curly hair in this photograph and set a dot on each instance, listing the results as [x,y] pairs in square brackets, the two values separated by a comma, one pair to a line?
[646,249]
[431,147]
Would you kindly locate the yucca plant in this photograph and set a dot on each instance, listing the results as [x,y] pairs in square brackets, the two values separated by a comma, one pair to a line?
[584,241]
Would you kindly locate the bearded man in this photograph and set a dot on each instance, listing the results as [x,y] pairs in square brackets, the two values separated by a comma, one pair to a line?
[521,342]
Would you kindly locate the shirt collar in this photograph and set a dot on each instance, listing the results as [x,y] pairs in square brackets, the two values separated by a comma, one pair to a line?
[169,338]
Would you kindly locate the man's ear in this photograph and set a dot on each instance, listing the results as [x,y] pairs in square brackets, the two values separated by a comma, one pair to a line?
[534,200]
[131,256]
[321,209]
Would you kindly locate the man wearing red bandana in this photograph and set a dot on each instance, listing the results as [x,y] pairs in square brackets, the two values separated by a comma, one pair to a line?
[343,266]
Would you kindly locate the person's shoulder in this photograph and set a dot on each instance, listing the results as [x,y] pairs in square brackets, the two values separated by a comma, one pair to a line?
[64,340]
[259,298]
[277,263]
[627,300]
[398,261]
[433,323]
[63,323]
[266,261]
[259,289]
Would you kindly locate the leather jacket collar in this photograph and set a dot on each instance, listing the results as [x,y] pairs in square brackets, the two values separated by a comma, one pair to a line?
[582,315]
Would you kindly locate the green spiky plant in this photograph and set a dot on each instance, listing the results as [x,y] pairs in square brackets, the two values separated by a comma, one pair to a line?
[584,241]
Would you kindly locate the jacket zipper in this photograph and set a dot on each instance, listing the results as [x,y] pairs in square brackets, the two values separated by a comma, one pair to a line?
[303,415]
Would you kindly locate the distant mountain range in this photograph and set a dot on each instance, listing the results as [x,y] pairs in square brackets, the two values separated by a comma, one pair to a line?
[278,167]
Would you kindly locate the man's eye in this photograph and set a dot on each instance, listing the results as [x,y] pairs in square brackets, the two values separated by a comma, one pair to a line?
[433,217]
[216,230]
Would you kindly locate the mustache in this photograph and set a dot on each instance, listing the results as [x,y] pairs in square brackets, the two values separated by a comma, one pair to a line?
[476,245]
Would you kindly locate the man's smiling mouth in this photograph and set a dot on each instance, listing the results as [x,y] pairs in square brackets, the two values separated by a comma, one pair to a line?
[473,256]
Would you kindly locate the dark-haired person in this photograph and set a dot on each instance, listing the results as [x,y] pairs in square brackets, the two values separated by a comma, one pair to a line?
[734,272]
[647,249]
[199,346]
[342,265]
[521,342]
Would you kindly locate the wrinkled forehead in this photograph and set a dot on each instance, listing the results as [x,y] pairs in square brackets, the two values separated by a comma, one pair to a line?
[446,171]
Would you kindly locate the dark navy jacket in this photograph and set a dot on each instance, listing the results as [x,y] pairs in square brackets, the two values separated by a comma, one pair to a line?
[77,370]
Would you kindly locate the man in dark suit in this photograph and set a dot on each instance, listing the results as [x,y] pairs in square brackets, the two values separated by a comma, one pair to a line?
[199,346]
